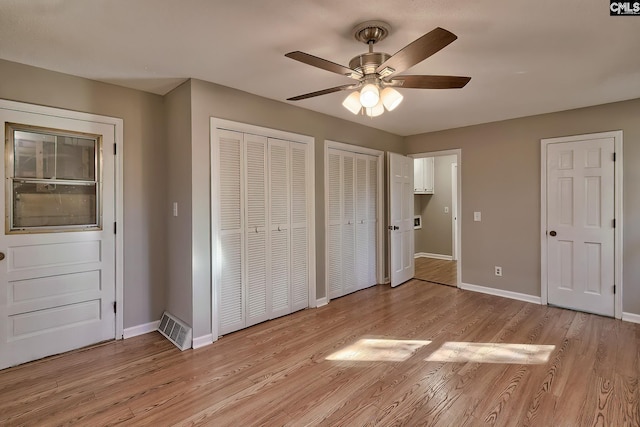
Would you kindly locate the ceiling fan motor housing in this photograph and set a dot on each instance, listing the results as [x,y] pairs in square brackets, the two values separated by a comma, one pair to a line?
[368,62]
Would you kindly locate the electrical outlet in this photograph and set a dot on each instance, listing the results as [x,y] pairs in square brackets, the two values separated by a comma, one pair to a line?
[498,270]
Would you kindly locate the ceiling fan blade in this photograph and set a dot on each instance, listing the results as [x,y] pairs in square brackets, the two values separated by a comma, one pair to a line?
[430,82]
[322,92]
[314,61]
[418,50]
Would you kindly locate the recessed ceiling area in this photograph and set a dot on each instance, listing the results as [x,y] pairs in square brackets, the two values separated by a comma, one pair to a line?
[524,57]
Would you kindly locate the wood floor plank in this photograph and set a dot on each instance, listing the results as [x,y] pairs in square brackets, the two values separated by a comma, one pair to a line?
[439,271]
[418,354]
[626,388]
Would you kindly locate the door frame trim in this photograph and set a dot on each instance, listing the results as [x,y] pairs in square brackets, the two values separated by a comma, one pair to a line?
[118,124]
[380,235]
[458,153]
[618,211]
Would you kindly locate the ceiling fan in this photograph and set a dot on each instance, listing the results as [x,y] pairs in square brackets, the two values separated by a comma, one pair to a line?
[377,72]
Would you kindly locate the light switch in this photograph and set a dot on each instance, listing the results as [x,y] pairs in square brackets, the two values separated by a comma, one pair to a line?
[477,216]
[175,208]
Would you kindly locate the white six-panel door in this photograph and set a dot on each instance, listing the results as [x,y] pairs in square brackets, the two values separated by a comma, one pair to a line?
[57,288]
[401,218]
[580,225]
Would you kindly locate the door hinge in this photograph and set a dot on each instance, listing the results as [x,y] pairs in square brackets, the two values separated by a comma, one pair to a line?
[115,151]
[115,227]
[614,289]
[614,223]
[115,307]
[614,157]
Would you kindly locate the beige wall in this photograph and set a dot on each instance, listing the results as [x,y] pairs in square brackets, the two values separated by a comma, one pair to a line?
[436,234]
[145,161]
[178,127]
[500,169]
[211,100]
[166,159]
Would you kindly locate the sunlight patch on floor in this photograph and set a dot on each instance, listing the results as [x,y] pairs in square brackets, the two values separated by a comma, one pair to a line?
[517,354]
[378,350]
[393,350]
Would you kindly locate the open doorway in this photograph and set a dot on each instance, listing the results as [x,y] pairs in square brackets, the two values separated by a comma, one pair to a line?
[437,233]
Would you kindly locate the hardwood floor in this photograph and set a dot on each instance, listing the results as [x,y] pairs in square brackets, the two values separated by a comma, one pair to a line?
[418,354]
[438,271]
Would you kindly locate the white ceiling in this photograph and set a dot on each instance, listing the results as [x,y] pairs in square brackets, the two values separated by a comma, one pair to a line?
[525,57]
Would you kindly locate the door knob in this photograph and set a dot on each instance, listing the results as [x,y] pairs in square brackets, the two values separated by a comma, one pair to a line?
[1,256]
[552,233]
[395,227]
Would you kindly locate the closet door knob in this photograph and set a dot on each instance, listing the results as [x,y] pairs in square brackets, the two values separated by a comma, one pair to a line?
[552,233]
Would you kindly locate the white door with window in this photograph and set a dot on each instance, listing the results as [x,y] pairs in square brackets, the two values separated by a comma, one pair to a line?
[57,273]
[401,218]
[580,229]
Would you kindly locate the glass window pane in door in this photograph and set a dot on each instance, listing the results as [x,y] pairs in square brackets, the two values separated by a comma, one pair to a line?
[53,205]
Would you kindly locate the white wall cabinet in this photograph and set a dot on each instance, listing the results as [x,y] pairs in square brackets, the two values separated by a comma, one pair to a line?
[263,228]
[352,217]
[423,175]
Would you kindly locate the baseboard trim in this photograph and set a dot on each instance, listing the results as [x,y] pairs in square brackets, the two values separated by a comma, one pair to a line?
[145,328]
[386,281]
[202,341]
[434,256]
[631,317]
[501,293]
[322,301]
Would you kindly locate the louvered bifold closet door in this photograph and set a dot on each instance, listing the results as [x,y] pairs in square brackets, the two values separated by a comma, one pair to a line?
[334,218]
[349,275]
[231,315]
[279,227]
[257,256]
[299,228]
[362,237]
[372,218]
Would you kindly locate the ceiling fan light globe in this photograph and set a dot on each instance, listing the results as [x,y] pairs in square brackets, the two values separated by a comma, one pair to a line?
[369,96]
[352,102]
[391,98]
[375,111]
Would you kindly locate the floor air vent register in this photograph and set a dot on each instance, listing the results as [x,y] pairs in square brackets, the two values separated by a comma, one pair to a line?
[175,331]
